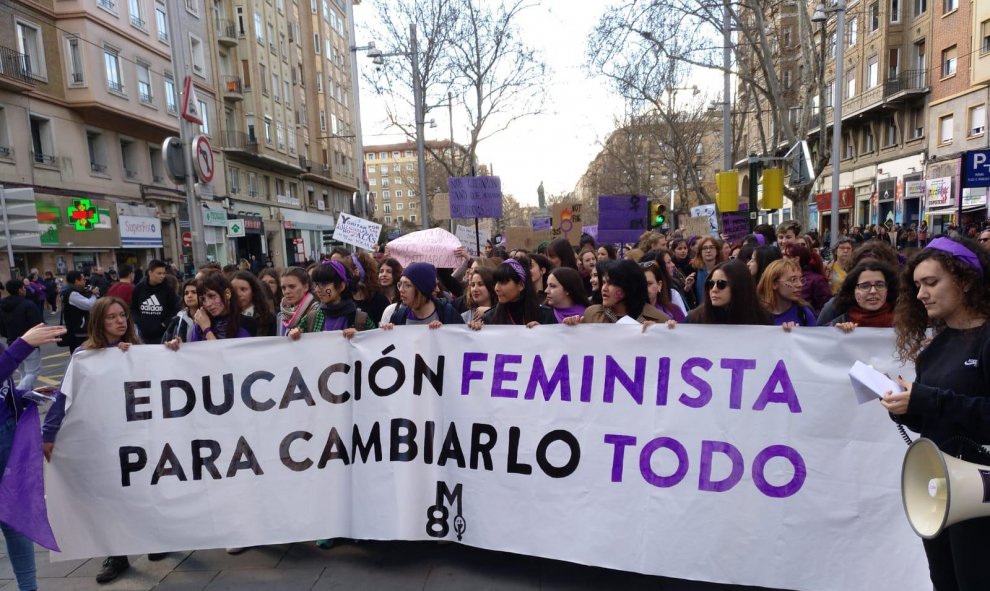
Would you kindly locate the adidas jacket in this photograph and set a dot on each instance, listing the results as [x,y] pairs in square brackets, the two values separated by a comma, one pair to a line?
[152,307]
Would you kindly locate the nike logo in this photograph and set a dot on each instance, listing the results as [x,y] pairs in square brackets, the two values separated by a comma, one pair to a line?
[970,363]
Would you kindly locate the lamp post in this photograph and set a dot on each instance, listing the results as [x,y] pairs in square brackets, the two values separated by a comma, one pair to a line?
[820,16]
[413,54]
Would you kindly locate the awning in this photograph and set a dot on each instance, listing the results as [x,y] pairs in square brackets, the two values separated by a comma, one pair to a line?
[294,219]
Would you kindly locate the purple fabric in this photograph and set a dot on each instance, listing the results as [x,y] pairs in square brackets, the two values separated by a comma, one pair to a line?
[561,313]
[22,485]
[335,323]
[956,250]
[341,271]
[518,268]
[423,276]
[760,239]
[357,265]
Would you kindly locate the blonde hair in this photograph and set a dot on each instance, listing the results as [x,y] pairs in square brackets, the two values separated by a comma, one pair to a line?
[771,275]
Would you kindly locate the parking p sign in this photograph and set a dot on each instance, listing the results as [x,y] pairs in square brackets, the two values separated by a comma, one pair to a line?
[976,169]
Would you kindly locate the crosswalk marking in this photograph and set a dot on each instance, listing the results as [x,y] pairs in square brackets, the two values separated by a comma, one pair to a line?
[48,381]
[56,356]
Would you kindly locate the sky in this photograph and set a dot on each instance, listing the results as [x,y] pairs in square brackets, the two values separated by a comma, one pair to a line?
[555,147]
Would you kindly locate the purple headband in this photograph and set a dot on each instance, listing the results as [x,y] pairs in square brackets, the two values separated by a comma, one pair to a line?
[760,239]
[339,268]
[957,250]
[518,268]
[357,264]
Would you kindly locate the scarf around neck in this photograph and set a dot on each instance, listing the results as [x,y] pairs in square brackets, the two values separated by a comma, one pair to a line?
[338,316]
[882,318]
[561,313]
[292,316]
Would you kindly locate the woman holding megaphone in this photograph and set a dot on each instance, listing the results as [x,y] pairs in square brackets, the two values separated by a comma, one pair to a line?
[945,297]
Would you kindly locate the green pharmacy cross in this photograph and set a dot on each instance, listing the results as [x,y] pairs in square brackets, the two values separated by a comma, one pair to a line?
[83,215]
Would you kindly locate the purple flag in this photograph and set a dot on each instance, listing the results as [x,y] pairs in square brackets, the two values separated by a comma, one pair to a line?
[22,485]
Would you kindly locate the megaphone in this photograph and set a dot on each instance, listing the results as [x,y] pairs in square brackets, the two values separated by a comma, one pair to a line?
[939,490]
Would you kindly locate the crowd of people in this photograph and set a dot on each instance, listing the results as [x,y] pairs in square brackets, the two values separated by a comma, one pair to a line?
[934,294]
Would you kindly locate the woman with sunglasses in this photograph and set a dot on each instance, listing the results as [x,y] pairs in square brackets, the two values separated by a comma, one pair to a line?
[941,324]
[661,294]
[730,298]
[779,291]
[517,303]
[565,293]
[867,297]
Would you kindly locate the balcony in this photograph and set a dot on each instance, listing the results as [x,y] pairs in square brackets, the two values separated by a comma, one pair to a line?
[138,22]
[107,5]
[14,71]
[42,159]
[6,152]
[115,86]
[98,168]
[232,90]
[226,32]
[239,141]
[905,85]
[304,163]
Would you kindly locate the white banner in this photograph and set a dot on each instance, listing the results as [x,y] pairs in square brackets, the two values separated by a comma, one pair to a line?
[730,454]
[471,239]
[357,231]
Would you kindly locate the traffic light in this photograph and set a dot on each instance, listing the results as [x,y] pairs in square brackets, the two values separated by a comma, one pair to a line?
[658,214]
[773,188]
[727,196]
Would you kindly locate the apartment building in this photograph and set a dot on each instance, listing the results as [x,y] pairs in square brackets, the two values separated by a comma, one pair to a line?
[88,94]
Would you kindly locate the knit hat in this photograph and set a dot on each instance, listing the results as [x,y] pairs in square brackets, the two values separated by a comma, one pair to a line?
[423,276]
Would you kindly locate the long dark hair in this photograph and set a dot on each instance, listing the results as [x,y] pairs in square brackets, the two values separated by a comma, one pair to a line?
[563,250]
[530,307]
[391,292]
[660,273]
[261,299]
[845,300]
[911,320]
[744,305]
[764,255]
[217,283]
[325,273]
[270,272]
[571,282]
[628,276]
[488,278]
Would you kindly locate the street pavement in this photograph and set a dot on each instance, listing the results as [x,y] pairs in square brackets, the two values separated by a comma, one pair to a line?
[372,565]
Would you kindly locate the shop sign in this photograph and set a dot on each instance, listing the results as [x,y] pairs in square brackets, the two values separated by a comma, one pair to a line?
[915,189]
[236,228]
[214,217]
[940,192]
[83,215]
[140,232]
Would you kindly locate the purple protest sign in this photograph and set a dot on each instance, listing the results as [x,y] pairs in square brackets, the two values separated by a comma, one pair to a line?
[475,197]
[22,484]
[542,223]
[735,226]
[621,218]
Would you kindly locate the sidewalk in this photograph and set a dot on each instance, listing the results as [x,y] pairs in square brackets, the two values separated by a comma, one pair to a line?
[378,566]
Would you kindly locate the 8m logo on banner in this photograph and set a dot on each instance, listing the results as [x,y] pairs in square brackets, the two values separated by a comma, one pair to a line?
[437,516]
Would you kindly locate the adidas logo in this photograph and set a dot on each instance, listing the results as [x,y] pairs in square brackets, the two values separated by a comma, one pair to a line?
[152,306]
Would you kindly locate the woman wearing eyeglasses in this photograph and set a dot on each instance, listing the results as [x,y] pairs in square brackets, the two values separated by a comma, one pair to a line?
[709,255]
[816,290]
[730,298]
[780,293]
[946,292]
[418,305]
[867,297]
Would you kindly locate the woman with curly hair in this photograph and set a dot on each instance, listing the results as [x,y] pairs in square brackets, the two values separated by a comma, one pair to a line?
[941,324]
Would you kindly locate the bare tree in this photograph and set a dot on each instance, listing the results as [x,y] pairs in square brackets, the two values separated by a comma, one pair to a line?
[646,47]
[468,49]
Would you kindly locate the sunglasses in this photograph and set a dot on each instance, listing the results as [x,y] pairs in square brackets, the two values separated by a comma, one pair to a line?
[721,284]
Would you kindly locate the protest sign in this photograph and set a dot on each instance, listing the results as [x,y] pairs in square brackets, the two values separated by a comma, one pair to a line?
[475,196]
[735,226]
[356,231]
[435,246]
[731,454]
[520,237]
[440,206]
[471,239]
[621,218]
[707,211]
[541,223]
[566,220]
[695,226]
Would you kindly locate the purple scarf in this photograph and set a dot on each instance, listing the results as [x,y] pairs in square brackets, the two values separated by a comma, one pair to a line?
[561,313]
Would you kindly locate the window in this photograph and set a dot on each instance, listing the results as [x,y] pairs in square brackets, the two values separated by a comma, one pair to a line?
[97,156]
[945,129]
[161,22]
[193,7]
[384,182]
[372,182]
[850,83]
[409,166]
[852,30]
[848,146]
[873,72]
[128,159]
[197,54]
[74,60]
[276,88]
[873,14]
[398,180]
[386,195]
[398,194]
[280,134]
[388,219]
[323,120]
[895,11]
[398,206]
[412,219]
[370,156]
[383,155]
[29,44]
[985,37]
[316,43]
[387,208]
[263,77]
[869,142]
[396,167]
[894,63]
[137,14]
[890,133]
[917,123]
[412,205]
[920,7]
[144,83]
[372,168]
[234,179]
[259,29]
[157,166]
[395,155]
[42,146]
[787,79]
[111,60]
[239,11]
[5,149]
[205,127]
[108,5]
[171,98]
[329,47]
[949,61]
[977,120]
[268,130]
[949,5]
[832,39]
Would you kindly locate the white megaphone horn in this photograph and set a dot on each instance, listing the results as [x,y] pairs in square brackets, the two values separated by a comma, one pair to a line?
[939,490]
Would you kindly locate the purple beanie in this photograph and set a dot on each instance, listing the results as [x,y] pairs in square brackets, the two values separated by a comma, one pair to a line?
[423,276]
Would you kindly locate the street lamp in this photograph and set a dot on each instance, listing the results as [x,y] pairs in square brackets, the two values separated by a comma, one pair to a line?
[378,58]
[820,16]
